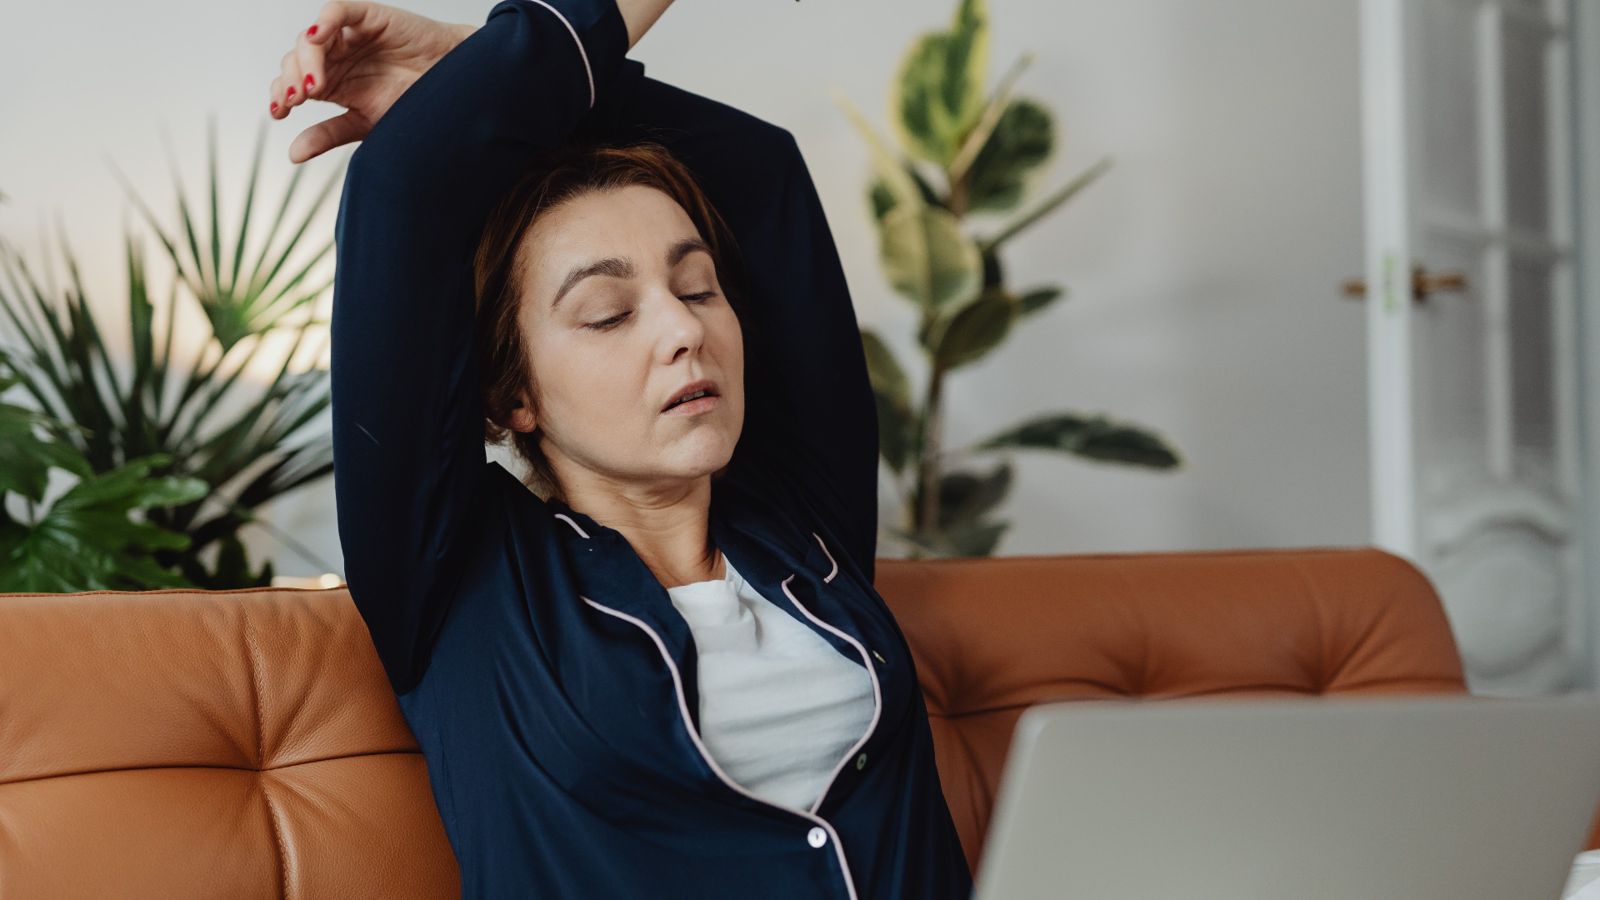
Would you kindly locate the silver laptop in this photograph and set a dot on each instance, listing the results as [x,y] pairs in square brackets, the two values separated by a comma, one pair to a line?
[1336,798]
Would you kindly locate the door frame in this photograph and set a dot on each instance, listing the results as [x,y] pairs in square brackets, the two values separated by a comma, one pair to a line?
[1585,18]
[1386,236]
[1386,109]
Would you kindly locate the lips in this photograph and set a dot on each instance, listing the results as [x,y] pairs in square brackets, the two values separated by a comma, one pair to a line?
[691,389]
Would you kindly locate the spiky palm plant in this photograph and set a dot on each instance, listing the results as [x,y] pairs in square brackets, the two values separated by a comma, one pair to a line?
[983,152]
[176,408]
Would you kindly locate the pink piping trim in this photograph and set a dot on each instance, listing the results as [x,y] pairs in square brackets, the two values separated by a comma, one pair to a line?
[830,559]
[581,52]
[683,711]
[877,693]
[572,523]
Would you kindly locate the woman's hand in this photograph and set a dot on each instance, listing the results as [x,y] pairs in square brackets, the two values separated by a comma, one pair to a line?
[361,56]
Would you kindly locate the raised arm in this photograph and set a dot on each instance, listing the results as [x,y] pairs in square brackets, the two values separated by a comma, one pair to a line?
[810,421]
[409,460]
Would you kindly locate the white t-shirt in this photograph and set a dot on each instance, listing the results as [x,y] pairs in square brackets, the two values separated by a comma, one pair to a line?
[779,706]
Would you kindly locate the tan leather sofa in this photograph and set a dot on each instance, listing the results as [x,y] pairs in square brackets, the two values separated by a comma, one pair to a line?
[242,744]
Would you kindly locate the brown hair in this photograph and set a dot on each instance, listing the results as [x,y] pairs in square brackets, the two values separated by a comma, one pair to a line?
[499,271]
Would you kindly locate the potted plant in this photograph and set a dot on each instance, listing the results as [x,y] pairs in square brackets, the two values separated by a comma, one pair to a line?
[964,152]
[169,416]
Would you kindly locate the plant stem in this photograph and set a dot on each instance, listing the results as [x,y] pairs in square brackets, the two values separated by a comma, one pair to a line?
[958,196]
[1061,196]
[928,457]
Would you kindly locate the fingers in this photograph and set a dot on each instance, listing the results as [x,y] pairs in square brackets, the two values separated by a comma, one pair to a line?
[309,58]
[286,88]
[324,136]
[302,71]
[340,14]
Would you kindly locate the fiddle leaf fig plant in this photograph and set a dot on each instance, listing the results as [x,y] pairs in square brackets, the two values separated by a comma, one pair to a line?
[961,150]
[208,420]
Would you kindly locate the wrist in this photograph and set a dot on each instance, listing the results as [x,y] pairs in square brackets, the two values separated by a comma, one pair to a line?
[639,15]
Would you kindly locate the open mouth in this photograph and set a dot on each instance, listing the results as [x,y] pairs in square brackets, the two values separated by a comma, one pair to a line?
[695,397]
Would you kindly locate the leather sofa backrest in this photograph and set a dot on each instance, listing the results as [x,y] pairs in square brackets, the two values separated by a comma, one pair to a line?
[182,744]
[992,636]
[245,743]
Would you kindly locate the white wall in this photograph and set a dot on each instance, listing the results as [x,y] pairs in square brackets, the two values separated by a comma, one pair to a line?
[1203,269]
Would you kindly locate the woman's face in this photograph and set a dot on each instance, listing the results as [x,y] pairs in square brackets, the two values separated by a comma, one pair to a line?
[621,310]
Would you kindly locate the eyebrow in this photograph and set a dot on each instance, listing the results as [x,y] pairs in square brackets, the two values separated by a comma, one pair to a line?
[617,267]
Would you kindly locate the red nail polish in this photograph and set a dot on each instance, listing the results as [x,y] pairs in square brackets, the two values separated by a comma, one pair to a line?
[291,90]
[311,30]
[274,107]
[310,82]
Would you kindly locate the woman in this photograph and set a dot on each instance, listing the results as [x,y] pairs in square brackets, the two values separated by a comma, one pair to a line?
[664,672]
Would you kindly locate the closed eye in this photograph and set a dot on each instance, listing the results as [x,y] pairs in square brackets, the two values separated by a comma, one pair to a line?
[614,321]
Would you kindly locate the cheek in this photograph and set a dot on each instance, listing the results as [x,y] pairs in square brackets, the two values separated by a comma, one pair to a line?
[600,385]
[730,339]
[731,357]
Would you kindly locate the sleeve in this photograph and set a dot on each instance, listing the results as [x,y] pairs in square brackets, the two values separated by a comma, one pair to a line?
[811,428]
[408,453]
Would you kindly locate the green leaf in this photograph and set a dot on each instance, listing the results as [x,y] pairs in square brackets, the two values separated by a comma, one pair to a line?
[974,140]
[965,497]
[233,564]
[1022,140]
[927,258]
[891,391]
[973,539]
[1091,437]
[915,540]
[22,568]
[881,199]
[141,316]
[939,85]
[896,432]
[86,540]
[924,126]
[129,487]
[891,171]
[973,331]
[883,369]
[240,304]
[1040,297]
[26,454]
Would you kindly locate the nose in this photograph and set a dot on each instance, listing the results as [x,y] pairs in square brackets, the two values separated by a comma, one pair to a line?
[681,328]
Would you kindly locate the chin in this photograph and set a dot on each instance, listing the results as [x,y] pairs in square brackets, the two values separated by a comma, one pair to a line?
[708,462]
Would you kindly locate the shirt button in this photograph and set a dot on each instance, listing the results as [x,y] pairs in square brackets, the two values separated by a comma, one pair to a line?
[817,837]
[861,762]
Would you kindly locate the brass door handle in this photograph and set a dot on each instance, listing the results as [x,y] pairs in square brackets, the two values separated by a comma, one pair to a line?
[1423,283]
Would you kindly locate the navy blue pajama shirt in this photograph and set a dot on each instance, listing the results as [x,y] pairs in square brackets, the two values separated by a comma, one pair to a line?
[549,680]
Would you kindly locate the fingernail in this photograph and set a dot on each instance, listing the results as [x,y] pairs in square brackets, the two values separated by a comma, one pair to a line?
[311,30]
[274,106]
[291,90]
[310,82]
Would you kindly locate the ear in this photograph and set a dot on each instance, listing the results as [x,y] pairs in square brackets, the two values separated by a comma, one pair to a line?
[522,418]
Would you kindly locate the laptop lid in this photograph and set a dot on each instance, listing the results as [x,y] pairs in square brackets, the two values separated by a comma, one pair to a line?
[1456,797]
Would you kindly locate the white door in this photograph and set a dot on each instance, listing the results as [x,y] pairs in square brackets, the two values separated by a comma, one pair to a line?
[1472,347]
